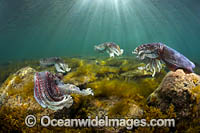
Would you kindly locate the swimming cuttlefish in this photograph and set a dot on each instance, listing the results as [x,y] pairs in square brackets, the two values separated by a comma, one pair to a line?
[50,92]
[110,47]
[59,64]
[156,53]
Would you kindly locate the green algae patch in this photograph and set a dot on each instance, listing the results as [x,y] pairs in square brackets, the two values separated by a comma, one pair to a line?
[116,62]
[115,87]
[147,86]
[74,62]
[105,70]
[196,107]
[196,91]
[12,119]
[119,109]
[155,113]
[90,73]
[122,88]
[126,108]
[81,76]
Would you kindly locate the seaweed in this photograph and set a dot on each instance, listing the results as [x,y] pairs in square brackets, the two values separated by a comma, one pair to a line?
[116,95]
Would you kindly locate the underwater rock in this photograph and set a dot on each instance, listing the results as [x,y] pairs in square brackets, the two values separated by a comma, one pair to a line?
[16,82]
[17,92]
[17,100]
[181,90]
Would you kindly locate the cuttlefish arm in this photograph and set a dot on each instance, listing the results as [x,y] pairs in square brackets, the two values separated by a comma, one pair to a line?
[72,89]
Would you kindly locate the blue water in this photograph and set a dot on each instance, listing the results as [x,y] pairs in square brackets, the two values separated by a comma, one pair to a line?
[42,28]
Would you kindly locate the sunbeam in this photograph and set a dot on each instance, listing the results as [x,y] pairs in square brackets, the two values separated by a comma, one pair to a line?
[68,25]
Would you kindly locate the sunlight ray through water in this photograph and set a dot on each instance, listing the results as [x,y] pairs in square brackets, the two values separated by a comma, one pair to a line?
[73,27]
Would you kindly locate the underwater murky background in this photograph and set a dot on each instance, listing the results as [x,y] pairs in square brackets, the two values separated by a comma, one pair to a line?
[41,28]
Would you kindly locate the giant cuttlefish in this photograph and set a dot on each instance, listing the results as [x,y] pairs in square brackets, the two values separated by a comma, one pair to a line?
[156,52]
[110,47]
[59,64]
[51,92]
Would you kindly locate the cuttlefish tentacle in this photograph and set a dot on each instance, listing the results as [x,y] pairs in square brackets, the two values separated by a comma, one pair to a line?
[158,64]
[154,68]
[147,67]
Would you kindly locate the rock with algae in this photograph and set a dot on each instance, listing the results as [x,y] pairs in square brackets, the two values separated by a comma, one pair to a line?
[17,101]
[180,89]
[114,97]
[135,73]
[89,73]
[19,82]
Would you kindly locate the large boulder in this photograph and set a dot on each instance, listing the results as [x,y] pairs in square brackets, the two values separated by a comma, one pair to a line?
[180,89]
[17,93]
[19,82]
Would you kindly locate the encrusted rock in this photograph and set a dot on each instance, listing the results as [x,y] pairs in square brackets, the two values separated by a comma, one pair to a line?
[180,89]
[17,92]
[16,83]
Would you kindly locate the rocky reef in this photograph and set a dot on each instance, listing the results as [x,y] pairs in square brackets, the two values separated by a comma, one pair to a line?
[182,91]
[120,90]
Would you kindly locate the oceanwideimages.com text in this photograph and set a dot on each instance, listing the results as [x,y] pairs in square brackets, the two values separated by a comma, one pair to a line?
[46,121]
